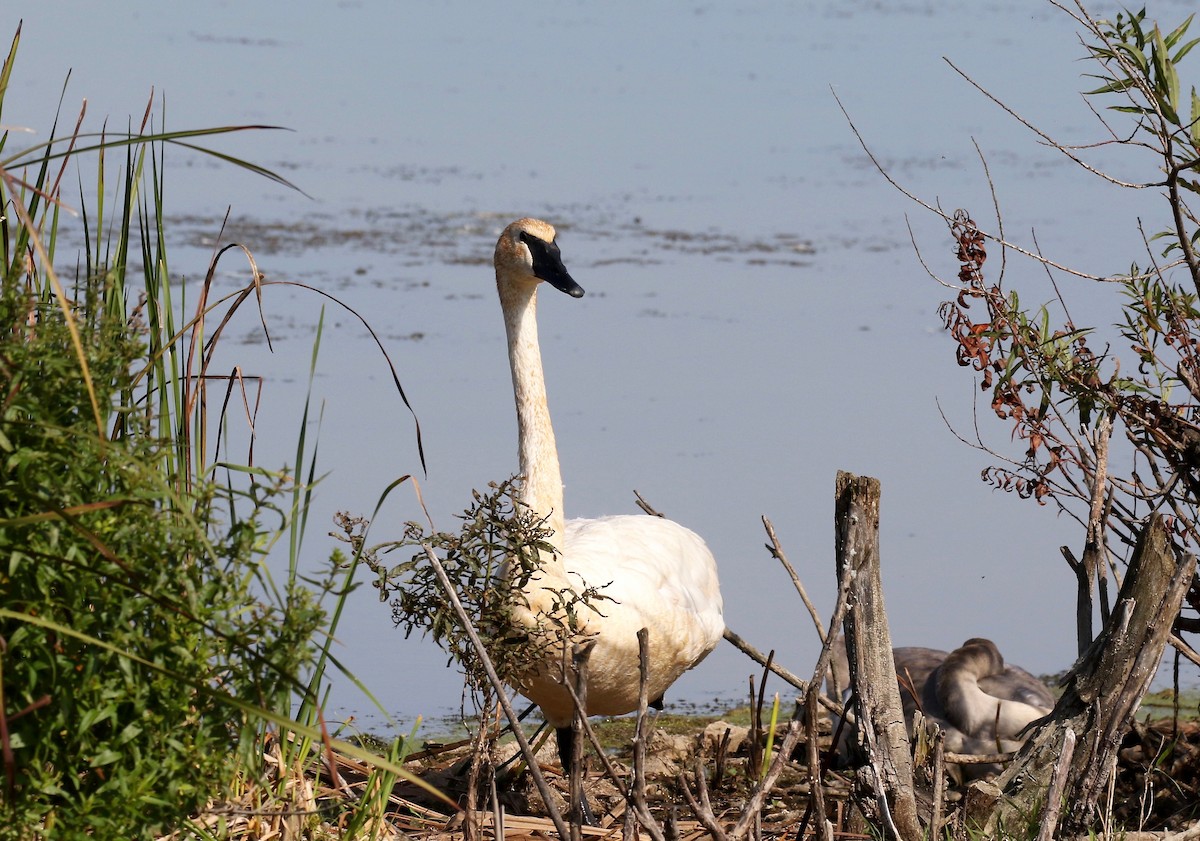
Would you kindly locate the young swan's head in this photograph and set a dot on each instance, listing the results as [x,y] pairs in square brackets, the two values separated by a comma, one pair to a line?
[979,655]
[527,252]
[962,670]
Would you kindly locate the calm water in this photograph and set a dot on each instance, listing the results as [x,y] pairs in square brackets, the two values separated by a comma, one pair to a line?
[756,318]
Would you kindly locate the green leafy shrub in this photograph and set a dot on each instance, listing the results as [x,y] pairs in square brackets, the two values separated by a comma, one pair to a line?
[151,668]
[143,652]
[1109,422]
[128,623]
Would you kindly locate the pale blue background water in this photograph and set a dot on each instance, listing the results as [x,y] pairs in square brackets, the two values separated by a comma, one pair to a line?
[756,318]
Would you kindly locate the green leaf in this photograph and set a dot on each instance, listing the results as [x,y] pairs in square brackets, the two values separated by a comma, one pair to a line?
[1138,57]
[1179,31]
[1194,127]
[1185,49]
[1115,86]
[131,731]
[1166,79]
[105,757]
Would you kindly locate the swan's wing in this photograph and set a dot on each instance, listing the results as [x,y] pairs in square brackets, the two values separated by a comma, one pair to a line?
[1016,684]
[655,571]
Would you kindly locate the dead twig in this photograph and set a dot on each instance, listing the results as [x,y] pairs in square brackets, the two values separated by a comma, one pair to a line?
[812,697]
[647,507]
[579,809]
[1057,785]
[738,642]
[763,790]
[939,783]
[776,550]
[501,693]
[636,802]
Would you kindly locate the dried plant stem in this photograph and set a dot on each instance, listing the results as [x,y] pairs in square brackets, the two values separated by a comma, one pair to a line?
[700,803]
[812,696]
[776,550]
[472,827]
[738,642]
[939,783]
[1054,795]
[980,758]
[637,790]
[752,809]
[497,810]
[937,211]
[636,793]
[816,800]
[1095,542]
[1184,649]
[646,506]
[747,822]
[758,741]
[501,694]
[579,663]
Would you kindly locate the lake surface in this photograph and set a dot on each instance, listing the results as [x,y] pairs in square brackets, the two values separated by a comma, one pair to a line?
[756,316]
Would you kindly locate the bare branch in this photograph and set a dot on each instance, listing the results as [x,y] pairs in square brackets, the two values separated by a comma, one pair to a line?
[776,550]
[1050,141]
[948,218]
[501,693]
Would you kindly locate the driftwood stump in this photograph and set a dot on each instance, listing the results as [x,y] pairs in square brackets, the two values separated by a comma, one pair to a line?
[1103,691]
[880,715]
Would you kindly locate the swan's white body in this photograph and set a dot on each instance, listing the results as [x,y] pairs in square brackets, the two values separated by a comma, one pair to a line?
[652,573]
[981,704]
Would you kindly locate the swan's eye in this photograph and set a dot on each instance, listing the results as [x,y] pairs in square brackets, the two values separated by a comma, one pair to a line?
[548,265]
[545,254]
[539,249]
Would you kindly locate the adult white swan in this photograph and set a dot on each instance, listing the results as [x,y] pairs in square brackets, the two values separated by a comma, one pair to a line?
[654,573]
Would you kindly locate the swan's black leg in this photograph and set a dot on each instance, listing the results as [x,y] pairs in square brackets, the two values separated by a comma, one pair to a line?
[566,755]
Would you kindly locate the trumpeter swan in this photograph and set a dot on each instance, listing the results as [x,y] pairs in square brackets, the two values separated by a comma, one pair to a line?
[981,703]
[983,697]
[653,573]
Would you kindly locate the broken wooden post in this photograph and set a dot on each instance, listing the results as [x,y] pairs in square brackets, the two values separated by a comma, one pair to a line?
[881,725]
[1103,691]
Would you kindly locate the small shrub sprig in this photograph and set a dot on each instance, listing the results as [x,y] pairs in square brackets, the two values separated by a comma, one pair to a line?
[497,529]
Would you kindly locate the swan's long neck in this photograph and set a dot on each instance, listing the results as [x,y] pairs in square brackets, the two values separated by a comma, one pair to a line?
[968,705]
[542,489]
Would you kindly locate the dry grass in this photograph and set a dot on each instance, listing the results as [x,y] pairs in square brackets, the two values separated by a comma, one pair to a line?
[1156,790]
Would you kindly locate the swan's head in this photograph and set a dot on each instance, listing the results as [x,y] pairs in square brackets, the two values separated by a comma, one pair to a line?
[978,655]
[988,649]
[527,252]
